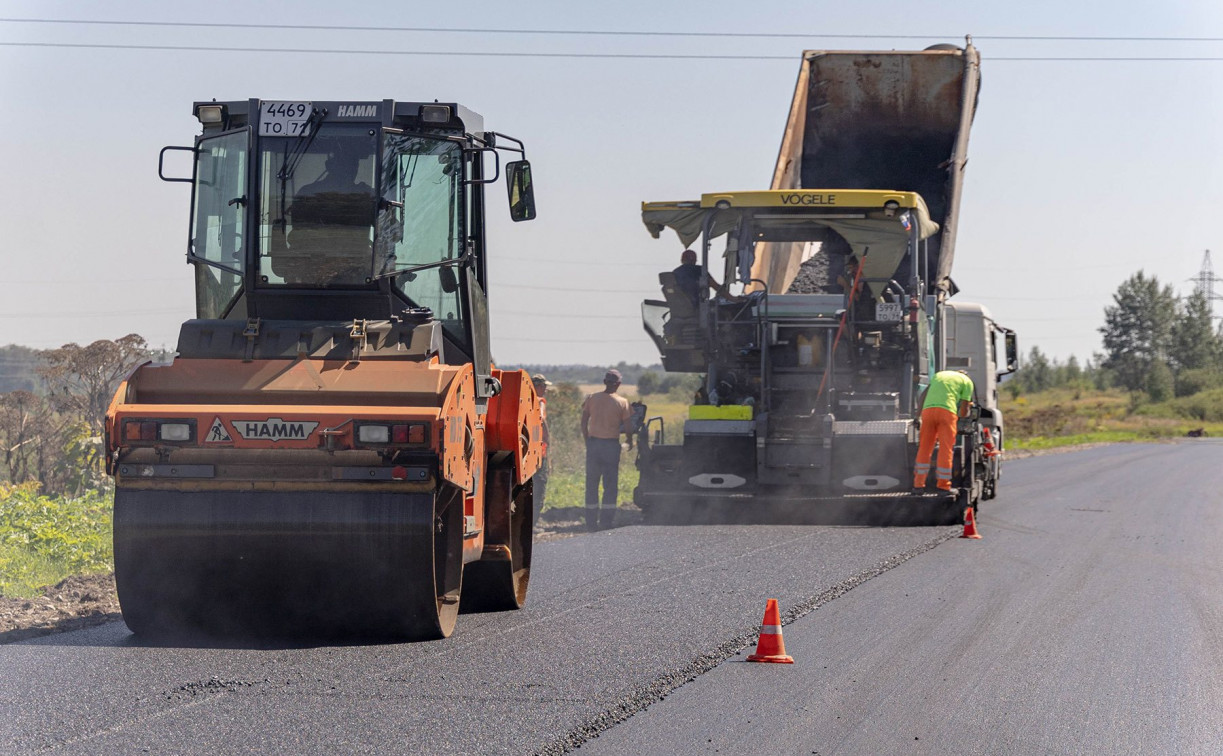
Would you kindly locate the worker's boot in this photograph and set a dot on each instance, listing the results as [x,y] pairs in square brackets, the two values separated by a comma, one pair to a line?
[607,518]
[592,519]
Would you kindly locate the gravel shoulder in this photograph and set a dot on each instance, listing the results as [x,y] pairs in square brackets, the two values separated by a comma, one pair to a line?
[74,603]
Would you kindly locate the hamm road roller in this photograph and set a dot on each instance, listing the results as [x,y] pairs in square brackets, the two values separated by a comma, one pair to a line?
[331,451]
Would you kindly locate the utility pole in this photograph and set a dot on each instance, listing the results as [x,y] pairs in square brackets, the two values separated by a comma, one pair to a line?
[1205,282]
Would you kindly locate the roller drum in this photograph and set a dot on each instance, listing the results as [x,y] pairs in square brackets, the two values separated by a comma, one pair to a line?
[312,564]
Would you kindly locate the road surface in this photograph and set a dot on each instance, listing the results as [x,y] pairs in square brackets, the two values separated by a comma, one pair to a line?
[1086,621]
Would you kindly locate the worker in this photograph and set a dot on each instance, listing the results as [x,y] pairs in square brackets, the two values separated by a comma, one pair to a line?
[948,397]
[541,477]
[332,218]
[688,278]
[605,416]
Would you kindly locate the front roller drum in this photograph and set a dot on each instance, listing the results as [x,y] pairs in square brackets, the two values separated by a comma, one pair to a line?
[316,564]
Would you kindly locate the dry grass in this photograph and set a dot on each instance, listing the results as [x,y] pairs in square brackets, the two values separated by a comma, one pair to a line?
[1066,416]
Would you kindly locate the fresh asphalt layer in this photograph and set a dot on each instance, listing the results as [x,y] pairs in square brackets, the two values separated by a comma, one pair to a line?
[1086,621]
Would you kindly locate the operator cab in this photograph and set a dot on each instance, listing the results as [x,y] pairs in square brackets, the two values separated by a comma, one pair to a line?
[347,211]
[867,298]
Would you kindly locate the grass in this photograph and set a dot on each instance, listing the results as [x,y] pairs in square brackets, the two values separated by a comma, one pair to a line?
[567,481]
[567,488]
[44,539]
[1074,416]
[1052,442]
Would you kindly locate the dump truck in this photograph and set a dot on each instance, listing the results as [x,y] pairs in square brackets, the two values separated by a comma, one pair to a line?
[331,451]
[814,375]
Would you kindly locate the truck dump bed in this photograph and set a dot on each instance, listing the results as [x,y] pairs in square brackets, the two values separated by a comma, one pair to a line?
[878,120]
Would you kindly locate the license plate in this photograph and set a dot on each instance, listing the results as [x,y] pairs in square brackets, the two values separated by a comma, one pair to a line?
[889,311]
[283,118]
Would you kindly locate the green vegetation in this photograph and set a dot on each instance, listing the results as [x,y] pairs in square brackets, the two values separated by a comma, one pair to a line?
[1070,416]
[45,539]
[567,482]
[51,433]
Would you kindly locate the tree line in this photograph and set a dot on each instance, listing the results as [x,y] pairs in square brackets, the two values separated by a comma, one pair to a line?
[51,427]
[1156,344]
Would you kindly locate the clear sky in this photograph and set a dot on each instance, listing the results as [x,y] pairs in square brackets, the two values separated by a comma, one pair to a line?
[1080,172]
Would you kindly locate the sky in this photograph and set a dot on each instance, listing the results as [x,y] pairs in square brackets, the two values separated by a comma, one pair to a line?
[1081,172]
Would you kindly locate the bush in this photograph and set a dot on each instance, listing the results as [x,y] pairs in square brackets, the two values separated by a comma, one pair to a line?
[45,539]
[1160,383]
[681,387]
[1204,406]
[1191,382]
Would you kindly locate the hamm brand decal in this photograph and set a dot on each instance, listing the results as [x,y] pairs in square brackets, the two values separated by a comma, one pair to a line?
[357,111]
[275,429]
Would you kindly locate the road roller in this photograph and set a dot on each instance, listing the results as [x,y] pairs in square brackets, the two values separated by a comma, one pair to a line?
[331,451]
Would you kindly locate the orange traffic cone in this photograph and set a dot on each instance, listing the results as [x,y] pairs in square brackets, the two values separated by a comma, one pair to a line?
[990,450]
[970,525]
[770,647]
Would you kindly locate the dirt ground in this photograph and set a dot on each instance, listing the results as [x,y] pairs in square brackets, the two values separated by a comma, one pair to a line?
[74,603]
[86,600]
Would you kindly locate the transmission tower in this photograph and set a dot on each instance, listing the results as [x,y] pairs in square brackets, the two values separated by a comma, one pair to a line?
[1205,281]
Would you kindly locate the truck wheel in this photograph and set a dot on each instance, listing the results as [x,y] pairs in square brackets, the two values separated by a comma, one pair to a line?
[501,585]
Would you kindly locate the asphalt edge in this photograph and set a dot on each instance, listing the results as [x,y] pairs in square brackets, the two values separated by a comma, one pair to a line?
[666,683]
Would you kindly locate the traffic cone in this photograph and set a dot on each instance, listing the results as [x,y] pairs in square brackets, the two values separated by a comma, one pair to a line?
[990,449]
[970,525]
[770,647]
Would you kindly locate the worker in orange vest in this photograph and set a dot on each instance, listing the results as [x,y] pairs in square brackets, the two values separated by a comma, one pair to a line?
[948,398]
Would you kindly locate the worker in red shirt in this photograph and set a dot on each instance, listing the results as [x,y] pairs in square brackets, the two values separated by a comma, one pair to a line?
[948,398]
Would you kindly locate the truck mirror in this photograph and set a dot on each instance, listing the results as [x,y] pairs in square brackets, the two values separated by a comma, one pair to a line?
[521,191]
[1012,352]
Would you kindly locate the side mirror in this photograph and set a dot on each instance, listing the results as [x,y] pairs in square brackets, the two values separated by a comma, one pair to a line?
[521,191]
[636,417]
[161,164]
[1012,352]
[448,280]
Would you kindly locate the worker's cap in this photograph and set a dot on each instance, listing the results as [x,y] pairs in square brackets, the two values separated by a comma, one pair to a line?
[687,256]
[612,376]
[540,380]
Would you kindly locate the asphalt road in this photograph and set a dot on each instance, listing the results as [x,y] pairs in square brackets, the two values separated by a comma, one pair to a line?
[1086,621]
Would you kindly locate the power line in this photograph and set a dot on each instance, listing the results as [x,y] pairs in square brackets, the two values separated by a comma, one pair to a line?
[593,56]
[539,261]
[444,53]
[602,32]
[1053,320]
[517,340]
[57,281]
[164,311]
[572,289]
[566,316]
